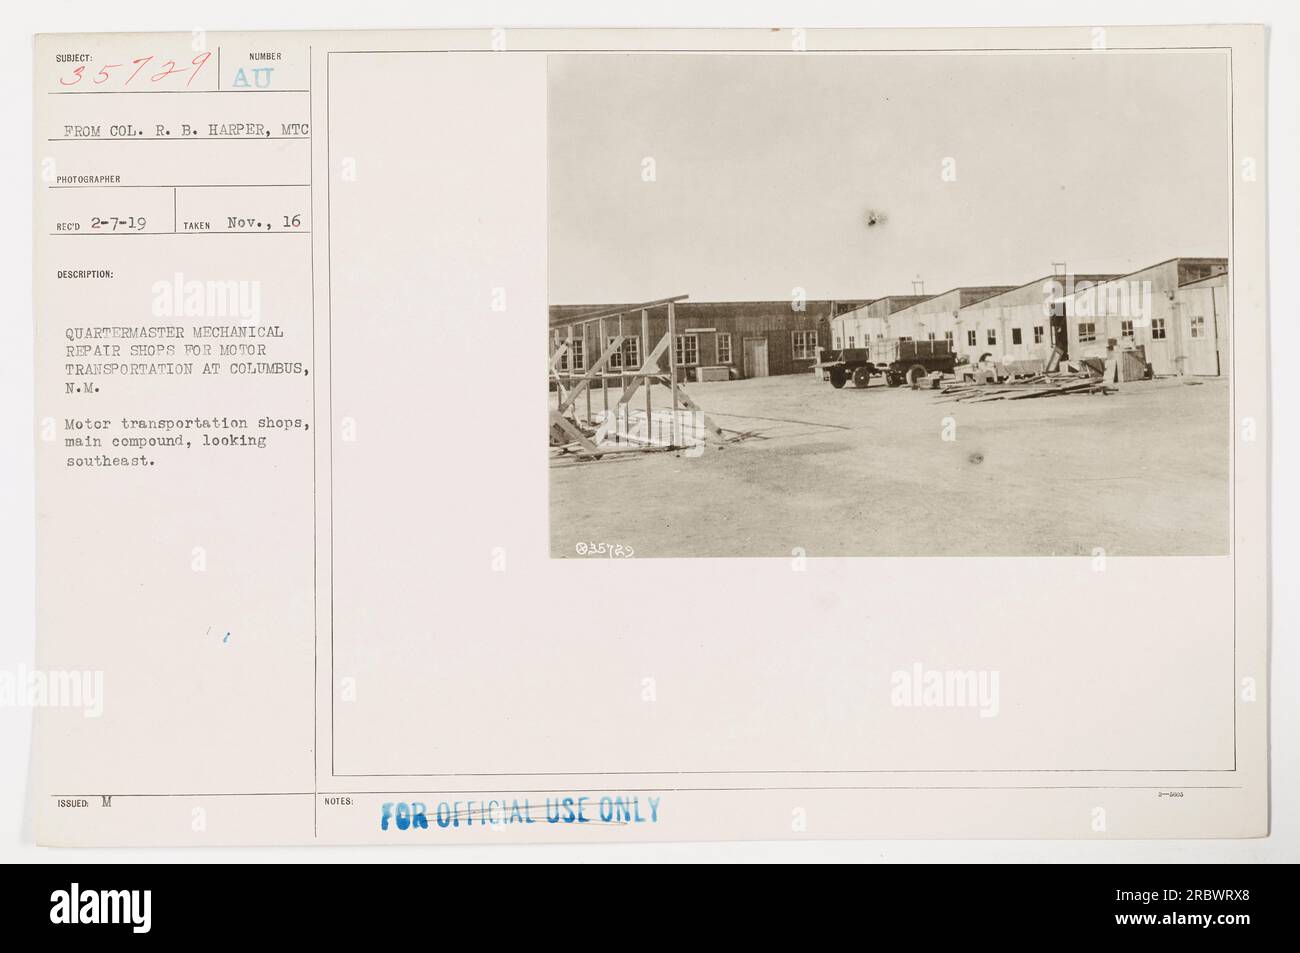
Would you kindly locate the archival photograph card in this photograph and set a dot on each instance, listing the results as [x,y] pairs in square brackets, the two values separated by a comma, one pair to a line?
[902,471]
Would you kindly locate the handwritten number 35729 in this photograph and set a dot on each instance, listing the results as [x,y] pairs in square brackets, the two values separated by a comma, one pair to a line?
[169,68]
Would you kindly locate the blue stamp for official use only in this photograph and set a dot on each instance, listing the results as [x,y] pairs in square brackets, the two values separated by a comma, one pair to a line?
[607,809]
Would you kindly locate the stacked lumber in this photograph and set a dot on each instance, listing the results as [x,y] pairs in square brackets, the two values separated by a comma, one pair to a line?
[1040,385]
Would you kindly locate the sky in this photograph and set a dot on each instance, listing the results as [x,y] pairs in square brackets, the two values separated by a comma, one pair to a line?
[765,167]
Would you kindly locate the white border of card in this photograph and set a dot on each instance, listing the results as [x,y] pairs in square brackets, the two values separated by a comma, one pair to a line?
[296,573]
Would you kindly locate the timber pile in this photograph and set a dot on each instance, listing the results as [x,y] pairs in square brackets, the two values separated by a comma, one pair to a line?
[1040,385]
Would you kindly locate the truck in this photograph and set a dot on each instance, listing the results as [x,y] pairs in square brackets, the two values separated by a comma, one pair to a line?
[898,360]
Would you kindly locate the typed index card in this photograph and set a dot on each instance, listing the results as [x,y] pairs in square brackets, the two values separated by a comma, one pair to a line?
[899,472]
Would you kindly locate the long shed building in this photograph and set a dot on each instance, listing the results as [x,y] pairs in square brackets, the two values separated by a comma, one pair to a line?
[858,327]
[1022,323]
[715,340]
[911,317]
[1176,311]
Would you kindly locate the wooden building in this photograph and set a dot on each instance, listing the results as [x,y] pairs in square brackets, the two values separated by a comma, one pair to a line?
[858,327]
[1203,305]
[935,318]
[1176,311]
[910,317]
[1021,324]
[716,340]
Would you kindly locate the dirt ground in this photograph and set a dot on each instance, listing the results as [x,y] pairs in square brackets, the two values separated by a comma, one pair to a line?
[1143,471]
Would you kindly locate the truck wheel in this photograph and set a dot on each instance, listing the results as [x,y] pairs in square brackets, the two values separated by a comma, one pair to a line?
[861,377]
[915,373]
[837,377]
[893,378]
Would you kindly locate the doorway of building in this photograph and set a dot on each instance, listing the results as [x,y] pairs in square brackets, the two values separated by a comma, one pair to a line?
[755,357]
[1060,335]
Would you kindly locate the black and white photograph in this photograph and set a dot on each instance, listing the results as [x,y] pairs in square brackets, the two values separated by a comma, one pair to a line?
[890,304]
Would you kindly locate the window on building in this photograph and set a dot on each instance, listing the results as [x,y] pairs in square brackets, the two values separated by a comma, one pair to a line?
[852,342]
[1198,326]
[930,335]
[1087,331]
[629,355]
[724,348]
[1015,336]
[804,345]
[1157,329]
[992,335]
[947,336]
[970,338]
[579,356]
[837,342]
[1188,272]
[688,349]
[1126,329]
[1038,334]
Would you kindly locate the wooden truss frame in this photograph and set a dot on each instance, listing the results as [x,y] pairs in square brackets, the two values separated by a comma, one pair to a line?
[570,386]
